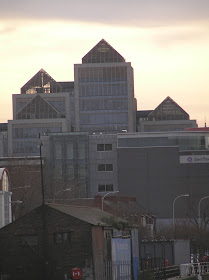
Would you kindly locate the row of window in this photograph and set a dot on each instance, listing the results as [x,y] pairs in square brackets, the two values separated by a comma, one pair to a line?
[105,188]
[70,171]
[110,89]
[58,171]
[103,104]
[103,118]
[105,167]
[104,147]
[105,74]
[80,150]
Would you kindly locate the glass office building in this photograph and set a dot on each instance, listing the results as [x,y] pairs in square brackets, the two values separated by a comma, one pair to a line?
[104,92]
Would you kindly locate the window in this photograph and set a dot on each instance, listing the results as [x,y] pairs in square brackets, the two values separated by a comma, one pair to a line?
[81,150]
[29,240]
[58,170]
[5,182]
[101,188]
[105,167]
[100,147]
[108,147]
[109,188]
[70,150]
[82,171]
[104,147]
[58,151]
[101,167]
[70,171]
[105,188]
[62,237]
[109,167]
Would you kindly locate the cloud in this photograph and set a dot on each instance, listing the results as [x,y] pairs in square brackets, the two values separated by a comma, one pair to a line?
[7,29]
[134,12]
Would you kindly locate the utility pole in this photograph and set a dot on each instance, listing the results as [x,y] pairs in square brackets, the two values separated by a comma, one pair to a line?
[43,217]
[41,163]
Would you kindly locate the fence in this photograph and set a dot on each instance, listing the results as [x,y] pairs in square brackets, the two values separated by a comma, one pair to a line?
[113,270]
[194,268]
[160,273]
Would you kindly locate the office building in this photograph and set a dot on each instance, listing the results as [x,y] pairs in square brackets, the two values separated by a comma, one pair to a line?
[104,91]
[167,116]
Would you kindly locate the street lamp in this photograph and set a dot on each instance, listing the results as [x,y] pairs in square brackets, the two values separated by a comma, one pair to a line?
[105,196]
[65,190]
[174,203]
[199,207]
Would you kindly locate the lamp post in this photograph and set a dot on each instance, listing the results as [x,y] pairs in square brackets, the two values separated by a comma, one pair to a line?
[199,208]
[105,196]
[174,203]
[41,165]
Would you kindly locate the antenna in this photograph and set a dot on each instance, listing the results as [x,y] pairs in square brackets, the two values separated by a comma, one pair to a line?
[205,122]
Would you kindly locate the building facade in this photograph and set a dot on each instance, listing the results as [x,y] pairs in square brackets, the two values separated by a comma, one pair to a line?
[42,107]
[167,116]
[158,167]
[104,91]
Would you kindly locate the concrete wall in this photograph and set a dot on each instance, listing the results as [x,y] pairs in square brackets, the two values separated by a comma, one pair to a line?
[155,176]
[100,157]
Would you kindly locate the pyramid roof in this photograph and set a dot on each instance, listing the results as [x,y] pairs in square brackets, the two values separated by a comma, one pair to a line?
[102,53]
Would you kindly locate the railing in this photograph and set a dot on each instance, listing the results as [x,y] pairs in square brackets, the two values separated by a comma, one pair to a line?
[160,273]
[194,268]
[113,270]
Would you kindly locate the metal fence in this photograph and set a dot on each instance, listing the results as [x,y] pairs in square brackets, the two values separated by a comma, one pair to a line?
[160,273]
[113,270]
[194,268]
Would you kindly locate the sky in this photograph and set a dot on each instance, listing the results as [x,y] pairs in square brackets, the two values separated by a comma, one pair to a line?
[166,41]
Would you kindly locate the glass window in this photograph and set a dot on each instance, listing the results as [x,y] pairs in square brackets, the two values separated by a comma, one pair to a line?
[5,182]
[109,188]
[81,150]
[62,237]
[29,240]
[101,188]
[105,188]
[58,170]
[70,150]
[100,147]
[105,167]
[104,147]
[108,147]
[82,171]
[109,167]
[70,171]
[101,167]
[58,151]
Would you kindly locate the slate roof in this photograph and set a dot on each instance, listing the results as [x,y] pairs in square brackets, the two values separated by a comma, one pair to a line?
[87,214]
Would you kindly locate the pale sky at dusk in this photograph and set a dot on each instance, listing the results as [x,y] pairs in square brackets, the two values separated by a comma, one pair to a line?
[167,42]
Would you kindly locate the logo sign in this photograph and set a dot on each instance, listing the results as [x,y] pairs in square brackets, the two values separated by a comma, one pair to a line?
[194,159]
[76,273]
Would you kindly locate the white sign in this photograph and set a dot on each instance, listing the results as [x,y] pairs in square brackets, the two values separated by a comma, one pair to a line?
[194,159]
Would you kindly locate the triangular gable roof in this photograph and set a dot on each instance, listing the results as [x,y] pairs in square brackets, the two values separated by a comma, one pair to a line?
[41,82]
[101,53]
[168,110]
[87,214]
[38,108]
